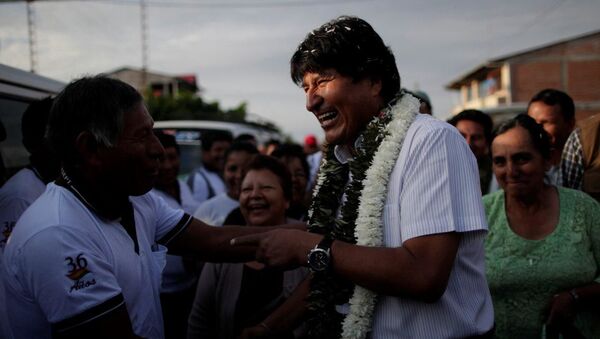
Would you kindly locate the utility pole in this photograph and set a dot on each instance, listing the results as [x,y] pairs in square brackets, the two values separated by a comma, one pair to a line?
[144,31]
[32,38]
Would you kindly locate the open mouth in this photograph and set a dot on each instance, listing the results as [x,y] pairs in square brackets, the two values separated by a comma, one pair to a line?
[327,119]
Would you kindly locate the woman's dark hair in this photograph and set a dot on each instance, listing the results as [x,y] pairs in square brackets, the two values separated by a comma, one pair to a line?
[292,151]
[241,146]
[269,163]
[350,46]
[538,136]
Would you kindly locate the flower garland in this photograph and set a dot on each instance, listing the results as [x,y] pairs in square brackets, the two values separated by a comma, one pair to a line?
[360,219]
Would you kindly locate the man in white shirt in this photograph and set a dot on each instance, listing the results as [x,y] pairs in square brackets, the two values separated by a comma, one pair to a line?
[85,259]
[409,192]
[206,181]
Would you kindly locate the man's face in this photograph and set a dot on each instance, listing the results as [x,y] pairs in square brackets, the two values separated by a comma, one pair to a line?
[214,158]
[474,133]
[232,175]
[169,167]
[551,118]
[132,164]
[342,106]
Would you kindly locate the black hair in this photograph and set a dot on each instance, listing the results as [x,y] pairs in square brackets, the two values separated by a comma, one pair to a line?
[292,151]
[241,146]
[93,104]
[350,46]
[245,137]
[208,138]
[167,140]
[266,162]
[476,116]
[538,136]
[34,123]
[552,97]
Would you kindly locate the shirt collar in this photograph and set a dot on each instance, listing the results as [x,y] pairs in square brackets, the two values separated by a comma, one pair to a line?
[345,153]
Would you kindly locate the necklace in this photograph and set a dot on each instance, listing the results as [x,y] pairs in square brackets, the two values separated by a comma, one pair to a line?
[360,218]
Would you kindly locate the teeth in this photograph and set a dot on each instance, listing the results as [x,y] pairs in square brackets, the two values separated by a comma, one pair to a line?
[327,116]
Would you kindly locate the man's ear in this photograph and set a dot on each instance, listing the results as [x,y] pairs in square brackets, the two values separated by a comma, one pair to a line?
[87,148]
[376,86]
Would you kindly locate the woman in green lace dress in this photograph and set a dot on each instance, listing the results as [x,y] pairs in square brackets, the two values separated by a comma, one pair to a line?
[543,245]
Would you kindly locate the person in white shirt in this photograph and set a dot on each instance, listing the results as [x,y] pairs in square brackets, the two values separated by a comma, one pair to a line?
[85,259]
[206,181]
[29,183]
[396,224]
[214,211]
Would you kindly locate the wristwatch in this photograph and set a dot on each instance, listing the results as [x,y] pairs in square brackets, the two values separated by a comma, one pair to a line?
[319,258]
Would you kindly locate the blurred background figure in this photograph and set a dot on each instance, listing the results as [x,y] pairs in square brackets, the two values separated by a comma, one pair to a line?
[214,211]
[580,164]
[2,167]
[270,146]
[555,111]
[23,188]
[311,144]
[206,181]
[476,127]
[543,244]
[425,107]
[245,137]
[233,297]
[180,274]
[292,156]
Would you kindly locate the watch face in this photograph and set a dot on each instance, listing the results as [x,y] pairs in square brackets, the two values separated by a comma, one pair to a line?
[318,259]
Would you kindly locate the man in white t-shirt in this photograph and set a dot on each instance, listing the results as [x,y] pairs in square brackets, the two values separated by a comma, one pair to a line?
[85,259]
[422,223]
[214,211]
[206,181]
[29,183]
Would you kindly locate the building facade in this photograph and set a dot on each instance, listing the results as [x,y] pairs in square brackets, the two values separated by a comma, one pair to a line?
[502,87]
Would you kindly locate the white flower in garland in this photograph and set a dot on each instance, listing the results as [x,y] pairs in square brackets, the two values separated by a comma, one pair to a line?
[369,225]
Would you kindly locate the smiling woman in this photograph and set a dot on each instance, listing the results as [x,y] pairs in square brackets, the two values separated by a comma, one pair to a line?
[543,245]
[233,298]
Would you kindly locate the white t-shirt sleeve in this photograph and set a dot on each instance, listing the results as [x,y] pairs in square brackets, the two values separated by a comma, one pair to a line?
[440,189]
[170,222]
[67,274]
[10,212]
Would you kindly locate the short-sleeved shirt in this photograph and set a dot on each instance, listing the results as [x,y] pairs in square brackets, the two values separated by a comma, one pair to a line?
[16,195]
[205,184]
[177,276]
[434,188]
[214,211]
[65,265]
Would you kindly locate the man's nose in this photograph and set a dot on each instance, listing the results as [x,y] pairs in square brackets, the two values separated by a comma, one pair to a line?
[313,100]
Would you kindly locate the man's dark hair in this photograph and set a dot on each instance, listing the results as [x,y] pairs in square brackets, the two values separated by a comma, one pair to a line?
[93,104]
[167,140]
[476,116]
[350,46]
[552,97]
[245,137]
[538,136]
[266,162]
[241,146]
[292,151]
[34,123]
[208,138]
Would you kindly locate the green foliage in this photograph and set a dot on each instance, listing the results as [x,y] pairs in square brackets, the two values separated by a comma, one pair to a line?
[189,106]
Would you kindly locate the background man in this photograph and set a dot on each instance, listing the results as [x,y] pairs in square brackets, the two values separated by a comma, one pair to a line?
[429,271]
[85,259]
[206,181]
[580,164]
[476,127]
[23,188]
[555,111]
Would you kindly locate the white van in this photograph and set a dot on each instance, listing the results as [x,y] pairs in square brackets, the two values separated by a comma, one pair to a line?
[188,132]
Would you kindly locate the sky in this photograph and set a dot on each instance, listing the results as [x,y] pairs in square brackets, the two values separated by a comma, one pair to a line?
[240,49]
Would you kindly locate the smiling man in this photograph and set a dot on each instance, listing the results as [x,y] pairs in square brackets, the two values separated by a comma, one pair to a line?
[85,260]
[397,224]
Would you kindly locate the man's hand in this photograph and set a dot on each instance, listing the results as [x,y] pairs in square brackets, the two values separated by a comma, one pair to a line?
[284,248]
[561,310]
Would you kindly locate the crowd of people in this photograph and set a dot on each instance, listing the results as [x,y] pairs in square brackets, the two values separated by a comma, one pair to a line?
[399,225]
